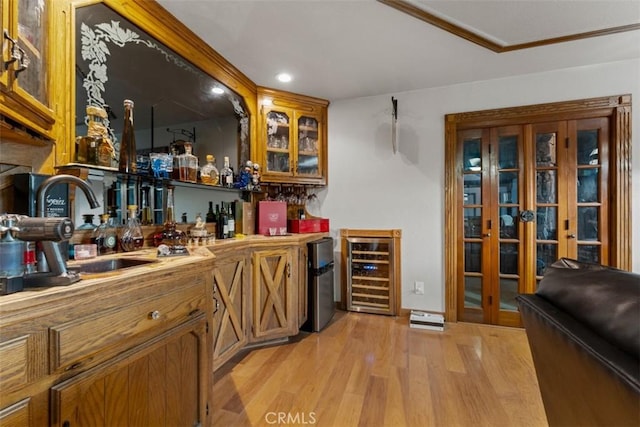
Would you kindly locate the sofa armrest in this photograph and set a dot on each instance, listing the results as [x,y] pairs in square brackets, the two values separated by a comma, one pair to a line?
[584,380]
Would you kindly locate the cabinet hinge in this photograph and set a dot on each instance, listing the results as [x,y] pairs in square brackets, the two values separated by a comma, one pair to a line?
[206,328]
[490,300]
[207,408]
[566,142]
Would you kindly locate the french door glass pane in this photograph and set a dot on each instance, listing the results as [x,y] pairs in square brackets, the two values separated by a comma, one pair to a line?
[508,258]
[472,222]
[546,154]
[508,152]
[508,293]
[472,257]
[588,185]
[473,292]
[508,187]
[588,147]
[547,223]
[546,254]
[508,222]
[472,189]
[588,223]
[472,154]
[546,186]
[589,253]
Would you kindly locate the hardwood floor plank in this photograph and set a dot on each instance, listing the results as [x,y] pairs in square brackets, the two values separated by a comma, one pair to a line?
[373,370]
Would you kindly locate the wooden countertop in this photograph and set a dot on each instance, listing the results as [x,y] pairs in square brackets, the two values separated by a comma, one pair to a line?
[200,257]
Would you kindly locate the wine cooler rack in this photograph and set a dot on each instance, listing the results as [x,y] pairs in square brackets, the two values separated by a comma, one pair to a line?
[371,270]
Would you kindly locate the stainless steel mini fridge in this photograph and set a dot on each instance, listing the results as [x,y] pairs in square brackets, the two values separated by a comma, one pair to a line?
[321,295]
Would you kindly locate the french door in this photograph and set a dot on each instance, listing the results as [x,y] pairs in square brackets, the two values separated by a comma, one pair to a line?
[531,194]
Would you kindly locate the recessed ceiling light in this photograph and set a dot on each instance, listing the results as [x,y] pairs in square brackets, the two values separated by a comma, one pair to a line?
[284,77]
[217,90]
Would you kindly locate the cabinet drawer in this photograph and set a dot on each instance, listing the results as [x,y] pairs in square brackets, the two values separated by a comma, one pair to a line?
[16,415]
[13,369]
[112,331]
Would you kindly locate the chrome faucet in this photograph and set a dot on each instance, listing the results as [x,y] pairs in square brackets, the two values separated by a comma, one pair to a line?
[52,267]
[43,189]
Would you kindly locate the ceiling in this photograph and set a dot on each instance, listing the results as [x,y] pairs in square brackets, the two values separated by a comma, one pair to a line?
[338,49]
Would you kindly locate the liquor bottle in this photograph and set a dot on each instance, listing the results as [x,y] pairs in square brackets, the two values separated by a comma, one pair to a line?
[226,174]
[105,236]
[146,213]
[131,237]
[128,144]
[211,217]
[174,239]
[231,221]
[88,222]
[209,172]
[188,165]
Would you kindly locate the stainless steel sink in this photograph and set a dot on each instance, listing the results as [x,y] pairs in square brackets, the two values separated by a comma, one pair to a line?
[109,265]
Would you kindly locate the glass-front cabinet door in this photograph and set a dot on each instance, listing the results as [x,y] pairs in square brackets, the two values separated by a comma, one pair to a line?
[308,133]
[279,127]
[24,79]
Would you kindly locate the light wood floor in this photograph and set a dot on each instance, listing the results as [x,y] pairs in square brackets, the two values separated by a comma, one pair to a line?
[372,370]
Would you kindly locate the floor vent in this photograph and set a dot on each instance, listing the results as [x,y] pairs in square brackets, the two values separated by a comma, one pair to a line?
[422,320]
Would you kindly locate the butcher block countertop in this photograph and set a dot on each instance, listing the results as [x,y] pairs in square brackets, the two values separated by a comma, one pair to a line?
[200,257]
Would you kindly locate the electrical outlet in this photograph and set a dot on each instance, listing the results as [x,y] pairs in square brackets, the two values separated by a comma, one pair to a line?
[418,288]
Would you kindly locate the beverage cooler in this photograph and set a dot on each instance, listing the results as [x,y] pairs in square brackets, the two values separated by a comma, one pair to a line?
[371,271]
[321,301]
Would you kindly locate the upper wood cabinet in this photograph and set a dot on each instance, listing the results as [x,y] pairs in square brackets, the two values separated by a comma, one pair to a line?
[26,69]
[292,138]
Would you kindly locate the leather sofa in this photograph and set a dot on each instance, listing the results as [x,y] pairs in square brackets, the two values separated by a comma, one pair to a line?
[583,327]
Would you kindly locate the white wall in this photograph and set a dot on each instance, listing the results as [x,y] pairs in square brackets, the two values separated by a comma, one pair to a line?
[370,187]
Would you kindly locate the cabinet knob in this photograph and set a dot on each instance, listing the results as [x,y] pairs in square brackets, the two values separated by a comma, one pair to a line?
[154,315]
[486,235]
[571,236]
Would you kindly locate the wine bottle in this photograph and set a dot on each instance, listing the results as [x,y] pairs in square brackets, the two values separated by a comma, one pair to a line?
[225,221]
[127,162]
[231,221]
[219,224]
[211,217]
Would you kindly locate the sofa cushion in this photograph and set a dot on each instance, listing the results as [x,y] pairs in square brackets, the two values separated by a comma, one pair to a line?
[604,298]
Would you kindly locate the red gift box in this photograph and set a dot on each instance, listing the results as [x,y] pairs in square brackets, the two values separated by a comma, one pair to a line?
[272,215]
[311,225]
